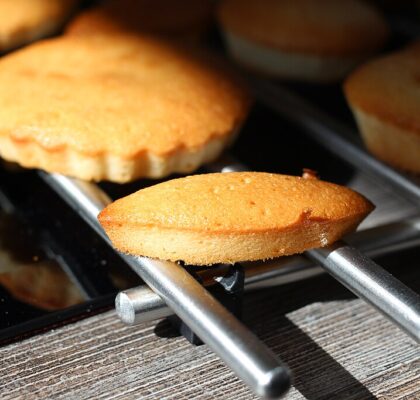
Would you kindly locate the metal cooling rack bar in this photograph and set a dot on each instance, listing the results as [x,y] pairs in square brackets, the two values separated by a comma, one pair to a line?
[247,356]
[334,136]
[139,305]
[373,284]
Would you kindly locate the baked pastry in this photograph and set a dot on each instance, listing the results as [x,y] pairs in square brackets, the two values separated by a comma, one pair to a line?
[39,282]
[175,19]
[116,107]
[43,285]
[317,41]
[24,21]
[230,217]
[384,95]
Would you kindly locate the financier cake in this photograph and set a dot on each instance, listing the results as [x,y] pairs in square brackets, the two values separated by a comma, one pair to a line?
[229,217]
[23,21]
[316,41]
[116,107]
[177,19]
[384,95]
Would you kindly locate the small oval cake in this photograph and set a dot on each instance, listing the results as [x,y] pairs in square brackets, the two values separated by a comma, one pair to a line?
[24,21]
[229,217]
[316,41]
[384,95]
[116,107]
[177,19]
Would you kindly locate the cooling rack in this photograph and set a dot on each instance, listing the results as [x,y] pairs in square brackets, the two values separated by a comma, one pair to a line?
[171,289]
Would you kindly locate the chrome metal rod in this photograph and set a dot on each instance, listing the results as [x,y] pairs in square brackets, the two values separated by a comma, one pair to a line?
[85,198]
[140,304]
[130,303]
[334,136]
[372,283]
[247,356]
[229,339]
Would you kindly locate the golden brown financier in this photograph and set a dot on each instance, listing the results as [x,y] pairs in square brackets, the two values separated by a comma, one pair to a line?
[229,217]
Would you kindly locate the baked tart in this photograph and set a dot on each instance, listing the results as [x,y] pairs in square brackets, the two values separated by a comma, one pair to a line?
[116,107]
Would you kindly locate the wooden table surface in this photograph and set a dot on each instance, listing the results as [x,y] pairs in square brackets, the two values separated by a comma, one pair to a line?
[337,347]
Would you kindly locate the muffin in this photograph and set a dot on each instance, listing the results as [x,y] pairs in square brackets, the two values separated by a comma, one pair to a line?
[384,95]
[306,40]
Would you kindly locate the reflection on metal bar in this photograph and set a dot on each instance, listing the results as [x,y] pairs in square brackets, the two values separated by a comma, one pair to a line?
[248,357]
[334,136]
[372,283]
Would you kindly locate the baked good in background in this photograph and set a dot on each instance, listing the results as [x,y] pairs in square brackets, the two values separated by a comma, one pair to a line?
[24,21]
[116,107]
[308,40]
[384,95]
[44,285]
[230,217]
[28,275]
[187,19]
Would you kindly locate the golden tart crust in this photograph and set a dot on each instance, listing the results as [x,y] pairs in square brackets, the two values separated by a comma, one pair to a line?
[230,217]
[116,108]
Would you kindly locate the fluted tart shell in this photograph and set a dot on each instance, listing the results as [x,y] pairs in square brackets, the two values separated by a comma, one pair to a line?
[116,107]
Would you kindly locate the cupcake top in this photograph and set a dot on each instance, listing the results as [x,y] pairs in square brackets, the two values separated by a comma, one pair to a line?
[323,27]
